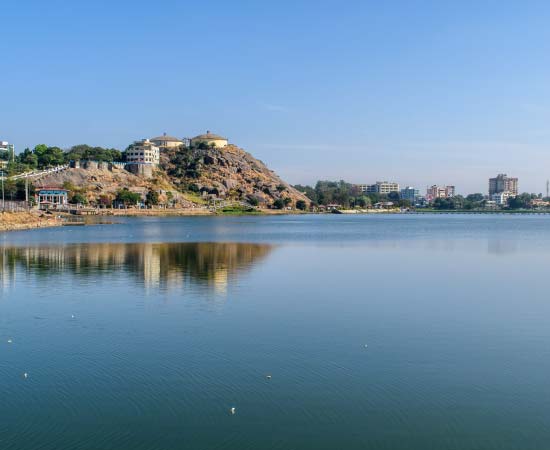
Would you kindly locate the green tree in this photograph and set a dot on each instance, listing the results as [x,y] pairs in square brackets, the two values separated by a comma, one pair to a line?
[28,159]
[253,200]
[522,201]
[443,203]
[15,190]
[364,201]
[79,198]
[301,204]
[393,197]
[152,198]
[48,156]
[279,204]
[308,191]
[475,197]
[170,197]
[127,197]
[86,152]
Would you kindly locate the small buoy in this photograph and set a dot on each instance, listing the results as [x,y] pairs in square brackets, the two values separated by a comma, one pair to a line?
[25,375]
[366,345]
[72,316]
[9,341]
[233,410]
[268,377]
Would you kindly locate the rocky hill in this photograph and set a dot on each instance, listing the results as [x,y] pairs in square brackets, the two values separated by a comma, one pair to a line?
[186,176]
[227,172]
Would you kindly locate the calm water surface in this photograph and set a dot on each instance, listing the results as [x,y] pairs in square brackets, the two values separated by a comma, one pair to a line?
[143,334]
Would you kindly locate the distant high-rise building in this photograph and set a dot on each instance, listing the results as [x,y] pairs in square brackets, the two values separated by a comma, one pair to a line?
[7,153]
[503,183]
[380,187]
[436,191]
[409,193]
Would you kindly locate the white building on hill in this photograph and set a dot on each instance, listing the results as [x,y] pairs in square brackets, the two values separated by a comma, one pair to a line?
[144,152]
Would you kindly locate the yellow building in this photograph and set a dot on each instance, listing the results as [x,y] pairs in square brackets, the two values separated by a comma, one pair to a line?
[210,139]
[165,142]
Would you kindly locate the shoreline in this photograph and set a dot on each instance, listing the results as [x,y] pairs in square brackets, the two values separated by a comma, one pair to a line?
[27,220]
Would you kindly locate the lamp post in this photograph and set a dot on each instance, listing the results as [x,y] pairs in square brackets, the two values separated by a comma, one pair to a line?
[3,201]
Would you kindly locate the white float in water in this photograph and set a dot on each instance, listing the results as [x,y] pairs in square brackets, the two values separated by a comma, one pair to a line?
[25,375]
[233,410]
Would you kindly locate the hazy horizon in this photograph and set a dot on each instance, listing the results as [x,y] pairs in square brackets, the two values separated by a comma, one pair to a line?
[415,92]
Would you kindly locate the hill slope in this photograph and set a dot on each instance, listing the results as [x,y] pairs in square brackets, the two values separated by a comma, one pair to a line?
[226,172]
[187,173]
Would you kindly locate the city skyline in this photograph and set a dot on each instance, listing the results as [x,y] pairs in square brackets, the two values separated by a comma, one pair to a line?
[166,142]
[398,92]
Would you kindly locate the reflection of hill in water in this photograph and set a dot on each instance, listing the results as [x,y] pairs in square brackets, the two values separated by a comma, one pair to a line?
[156,264]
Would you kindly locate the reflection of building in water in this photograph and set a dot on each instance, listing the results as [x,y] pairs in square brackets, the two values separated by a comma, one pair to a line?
[219,280]
[7,270]
[157,265]
[151,265]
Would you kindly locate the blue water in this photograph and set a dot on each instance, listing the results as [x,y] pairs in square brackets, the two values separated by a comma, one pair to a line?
[378,332]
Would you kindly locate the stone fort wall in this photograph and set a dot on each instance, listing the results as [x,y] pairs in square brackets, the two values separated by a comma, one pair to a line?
[140,169]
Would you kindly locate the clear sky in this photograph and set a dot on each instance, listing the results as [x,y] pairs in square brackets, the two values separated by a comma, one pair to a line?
[420,92]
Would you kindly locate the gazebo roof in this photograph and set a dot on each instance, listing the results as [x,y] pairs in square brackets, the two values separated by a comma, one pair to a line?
[166,138]
[51,188]
[210,136]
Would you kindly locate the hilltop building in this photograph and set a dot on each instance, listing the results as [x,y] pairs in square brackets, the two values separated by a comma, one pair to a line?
[144,152]
[503,183]
[210,139]
[166,142]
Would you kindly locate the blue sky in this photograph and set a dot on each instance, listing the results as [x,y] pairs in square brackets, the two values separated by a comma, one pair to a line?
[420,92]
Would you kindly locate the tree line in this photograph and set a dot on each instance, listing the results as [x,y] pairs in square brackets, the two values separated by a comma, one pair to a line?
[43,156]
[347,195]
[350,196]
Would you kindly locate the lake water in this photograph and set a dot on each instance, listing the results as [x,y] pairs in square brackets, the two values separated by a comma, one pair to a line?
[378,332]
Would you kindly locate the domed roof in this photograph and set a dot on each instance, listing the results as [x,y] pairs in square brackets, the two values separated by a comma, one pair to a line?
[166,138]
[210,136]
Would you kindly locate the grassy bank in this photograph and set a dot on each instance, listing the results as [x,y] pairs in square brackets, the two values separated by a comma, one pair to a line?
[155,212]
[10,221]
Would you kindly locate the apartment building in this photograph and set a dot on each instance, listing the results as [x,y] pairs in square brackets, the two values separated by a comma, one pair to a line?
[503,183]
[144,152]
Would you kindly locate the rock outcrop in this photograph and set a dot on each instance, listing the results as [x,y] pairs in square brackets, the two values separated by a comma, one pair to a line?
[186,176]
[228,172]
[101,183]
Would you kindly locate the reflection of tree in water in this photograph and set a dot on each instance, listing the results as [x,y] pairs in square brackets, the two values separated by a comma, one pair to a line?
[156,264]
